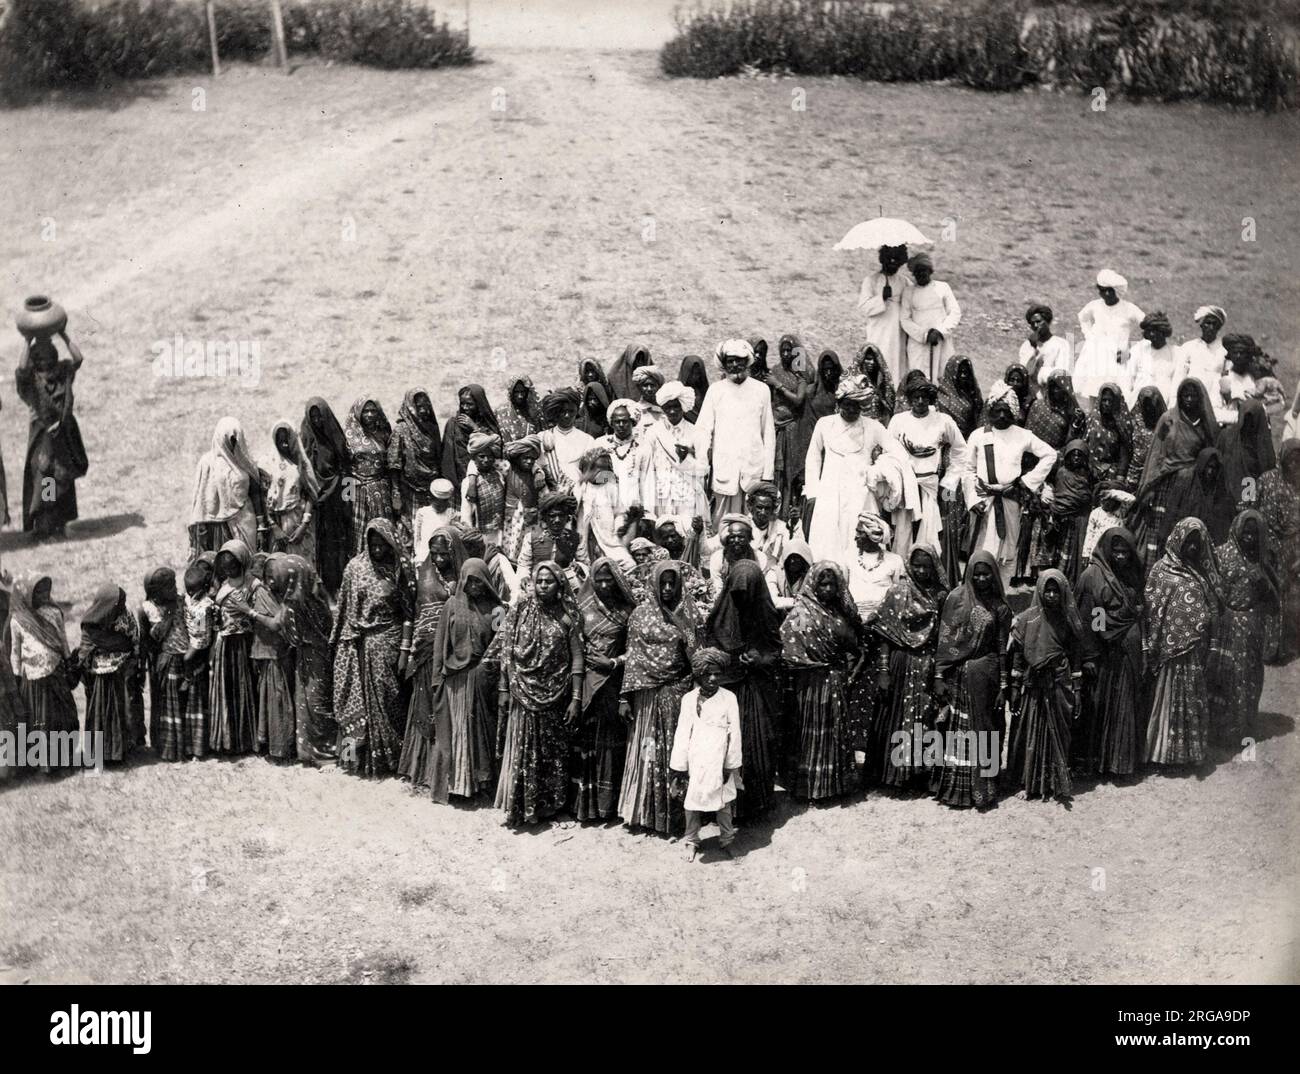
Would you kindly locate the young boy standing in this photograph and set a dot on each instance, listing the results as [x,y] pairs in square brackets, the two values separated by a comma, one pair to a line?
[706,750]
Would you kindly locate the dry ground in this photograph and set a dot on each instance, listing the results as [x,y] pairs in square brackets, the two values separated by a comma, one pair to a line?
[600,205]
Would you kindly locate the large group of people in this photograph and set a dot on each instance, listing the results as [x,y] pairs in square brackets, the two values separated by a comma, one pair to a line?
[653,595]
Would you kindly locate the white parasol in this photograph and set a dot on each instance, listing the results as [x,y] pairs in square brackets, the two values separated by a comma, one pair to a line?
[882,231]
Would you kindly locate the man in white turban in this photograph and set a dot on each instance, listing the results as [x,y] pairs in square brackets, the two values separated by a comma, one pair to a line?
[1109,321]
[736,429]
[1204,359]
[677,463]
[929,314]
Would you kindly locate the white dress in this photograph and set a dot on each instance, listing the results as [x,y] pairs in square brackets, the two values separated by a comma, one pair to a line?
[937,431]
[736,423]
[835,472]
[1106,334]
[885,318]
[931,306]
[561,452]
[1009,447]
[674,486]
[1202,361]
[870,576]
[1148,366]
[706,743]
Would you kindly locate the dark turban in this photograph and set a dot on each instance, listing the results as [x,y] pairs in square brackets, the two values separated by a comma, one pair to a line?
[765,488]
[1159,322]
[708,657]
[558,400]
[1038,307]
[557,501]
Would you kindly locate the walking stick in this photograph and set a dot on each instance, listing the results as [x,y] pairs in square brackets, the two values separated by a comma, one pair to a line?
[931,363]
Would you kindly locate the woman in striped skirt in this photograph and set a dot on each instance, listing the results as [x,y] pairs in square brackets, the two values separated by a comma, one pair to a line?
[164,641]
[39,655]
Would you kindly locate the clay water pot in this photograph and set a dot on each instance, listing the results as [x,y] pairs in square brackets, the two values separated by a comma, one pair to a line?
[41,317]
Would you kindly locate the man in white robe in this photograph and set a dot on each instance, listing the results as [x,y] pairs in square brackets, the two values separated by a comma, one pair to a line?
[1152,361]
[737,429]
[1203,359]
[881,302]
[1043,353]
[677,464]
[929,314]
[842,449]
[564,445]
[993,470]
[929,437]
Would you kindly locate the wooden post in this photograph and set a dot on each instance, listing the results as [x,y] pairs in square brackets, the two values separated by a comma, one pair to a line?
[212,39]
[277,36]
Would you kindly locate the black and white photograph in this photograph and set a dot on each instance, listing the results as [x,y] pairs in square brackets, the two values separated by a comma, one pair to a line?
[734,492]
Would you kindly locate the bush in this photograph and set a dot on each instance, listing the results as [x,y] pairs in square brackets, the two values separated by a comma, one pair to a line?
[1148,49]
[54,43]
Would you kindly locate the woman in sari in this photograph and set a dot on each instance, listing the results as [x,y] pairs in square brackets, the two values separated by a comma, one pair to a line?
[325,446]
[971,682]
[1251,604]
[788,577]
[40,660]
[695,375]
[228,501]
[539,653]
[1051,651]
[595,405]
[1058,541]
[907,624]
[275,637]
[1142,418]
[291,495]
[474,414]
[1110,437]
[790,393]
[232,682]
[605,603]
[1017,378]
[371,643]
[426,758]
[1178,439]
[313,671]
[1110,735]
[872,365]
[1279,503]
[56,457]
[656,676]
[164,641]
[822,401]
[106,657]
[1201,493]
[746,626]
[1246,449]
[368,432]
[619,378]
[959,394]
[523,413]
[463,700]
[1182,605]
[414,456]
[820,645]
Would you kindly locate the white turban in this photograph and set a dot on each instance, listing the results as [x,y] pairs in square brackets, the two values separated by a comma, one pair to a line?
[734,348]
[1111,278]
[1002,392]
[633,410]
[675,389]
[1205,311]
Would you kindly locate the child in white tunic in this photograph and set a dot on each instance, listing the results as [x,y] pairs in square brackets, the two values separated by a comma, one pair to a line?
[706,750]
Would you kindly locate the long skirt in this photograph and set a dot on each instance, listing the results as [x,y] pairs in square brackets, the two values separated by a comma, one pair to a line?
[51,709]
[974,727]
[12,709]
[599,754]
[467,710]
[1058,542]
[313,702]
[371,498]
[787,467]
[1236,690]
[908,712]
[333,524]
[757,697]
[822,762]
[643,800]
[232,691]
[1178,731]
[953,512]
[1038,758]
[285,523]
[196,720]
[420,762]
[167,703]
[534,783]
[276,723]
[1106,737]
[369,702]
[108,713]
